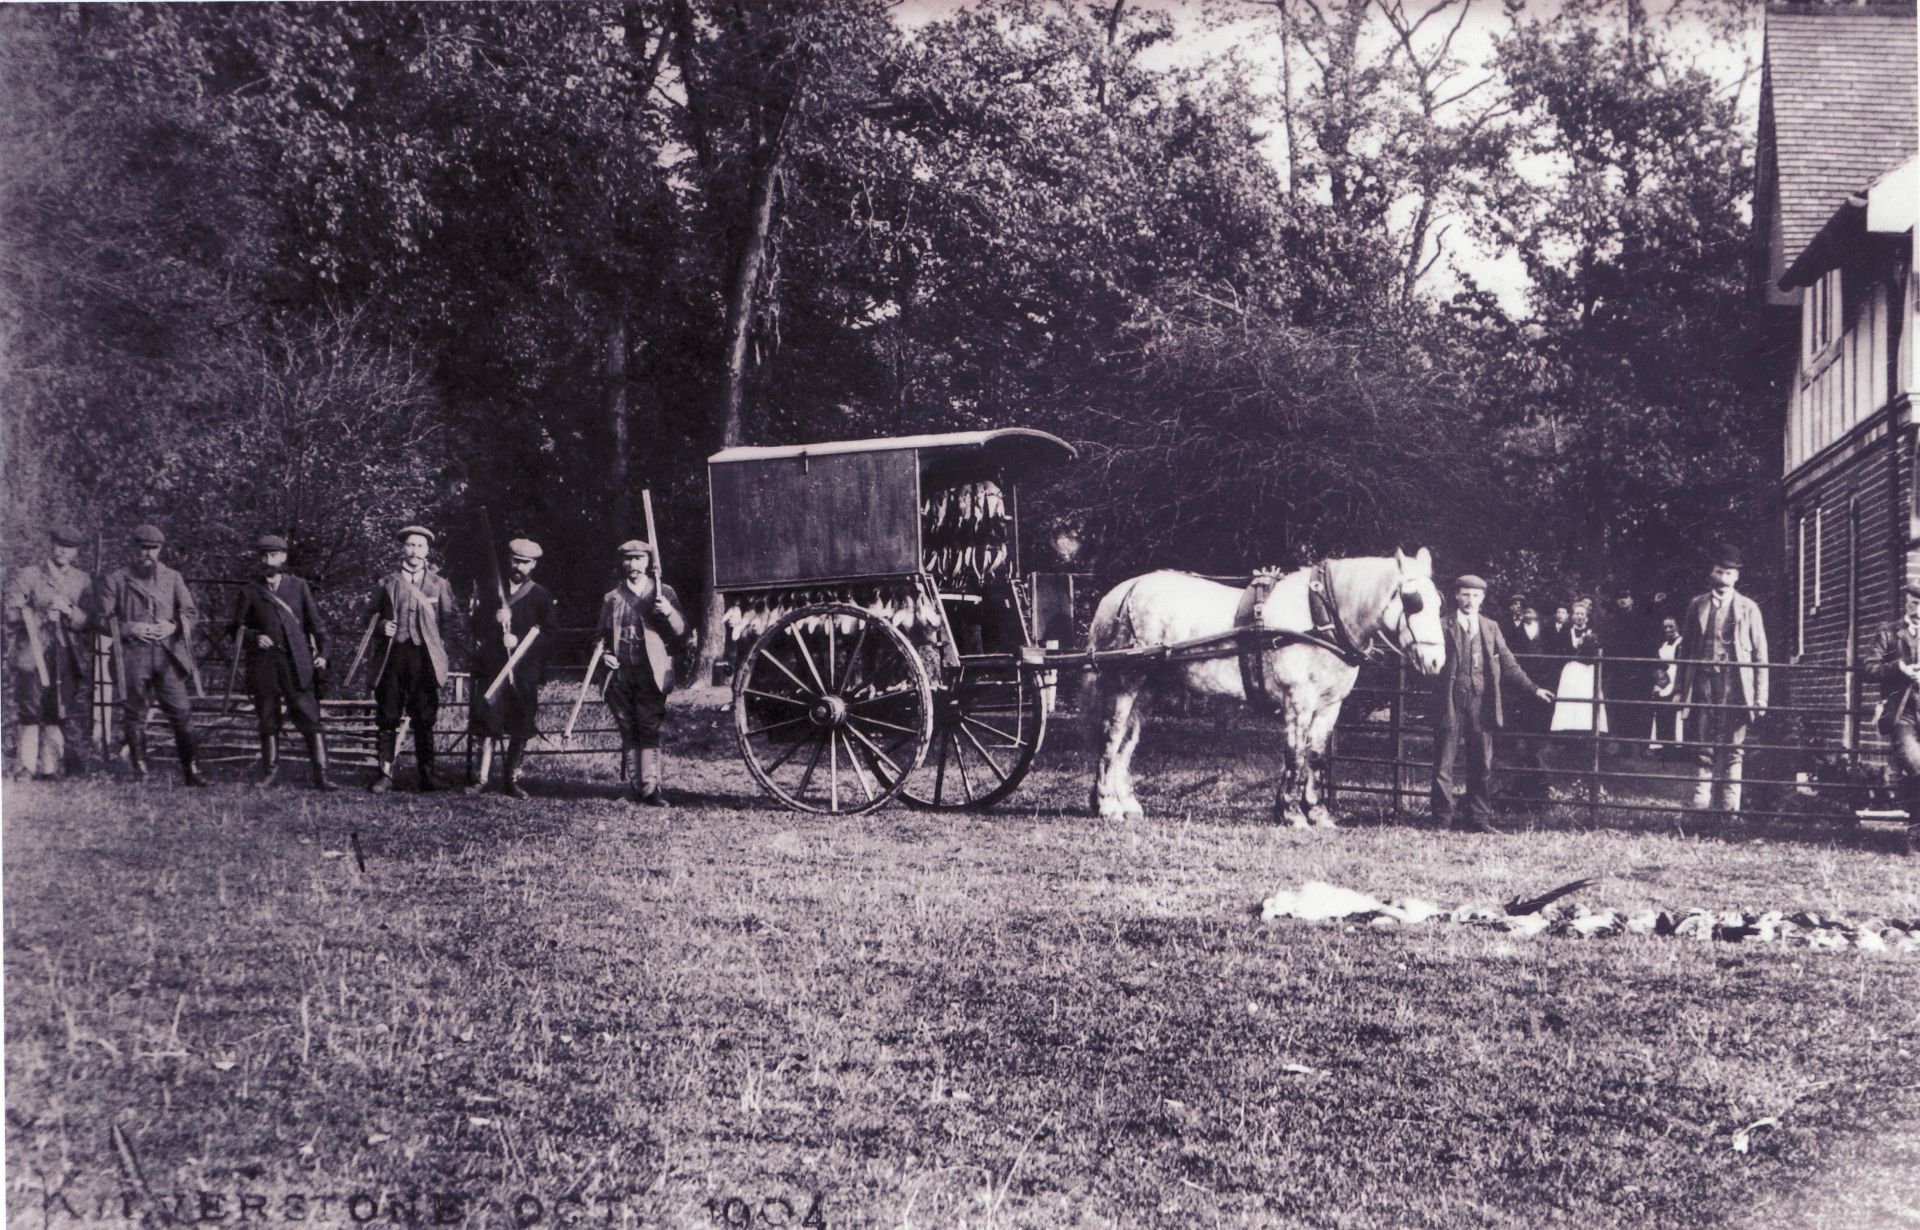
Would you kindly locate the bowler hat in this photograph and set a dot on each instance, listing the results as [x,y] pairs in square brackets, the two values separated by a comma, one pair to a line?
[269,542]
[1726,555]
[408,531]
[148,536]
[524,548]
[1470,581]
[632,547]
[67,536]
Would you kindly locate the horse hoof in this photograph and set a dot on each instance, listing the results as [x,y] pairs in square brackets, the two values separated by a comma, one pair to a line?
[1294,819]
[1133,812]
[1111,809]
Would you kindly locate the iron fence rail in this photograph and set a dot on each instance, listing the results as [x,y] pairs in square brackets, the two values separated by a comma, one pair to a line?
[1804,755]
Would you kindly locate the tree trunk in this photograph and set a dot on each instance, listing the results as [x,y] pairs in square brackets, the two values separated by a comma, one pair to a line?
[618,412]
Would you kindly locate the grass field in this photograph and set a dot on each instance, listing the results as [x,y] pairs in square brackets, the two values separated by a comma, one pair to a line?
[568,1011]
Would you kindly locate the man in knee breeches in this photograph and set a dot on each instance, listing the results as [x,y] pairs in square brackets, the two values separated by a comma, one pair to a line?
[285,643]
[640,623]
[1894,663]
[46,613]
[148,606]
[415,607]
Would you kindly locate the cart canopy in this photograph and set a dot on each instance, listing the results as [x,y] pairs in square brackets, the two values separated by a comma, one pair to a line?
[1013,451]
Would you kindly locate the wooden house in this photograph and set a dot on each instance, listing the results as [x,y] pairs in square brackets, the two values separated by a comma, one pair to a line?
[1834,201]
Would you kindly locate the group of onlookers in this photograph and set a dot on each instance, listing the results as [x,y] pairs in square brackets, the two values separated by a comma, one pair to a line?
[1646,678]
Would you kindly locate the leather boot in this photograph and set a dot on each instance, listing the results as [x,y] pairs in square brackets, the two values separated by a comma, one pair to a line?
[649,791]
[269,762]
[423,758]
[630,773]
[516,751]
[317,753]
[190,774]
[386,746]
[137,751]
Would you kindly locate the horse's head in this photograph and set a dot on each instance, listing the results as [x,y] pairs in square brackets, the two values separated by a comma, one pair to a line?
[1414,614]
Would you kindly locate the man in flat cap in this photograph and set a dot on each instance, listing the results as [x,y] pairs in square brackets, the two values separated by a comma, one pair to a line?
[1893,662]
[526,619]
[1723,672]
[285,642]
[148,607]
[412,604]
[1479,666]
[46,613]
[641,622]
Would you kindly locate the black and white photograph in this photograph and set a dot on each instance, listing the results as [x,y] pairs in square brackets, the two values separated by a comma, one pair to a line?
[903,614]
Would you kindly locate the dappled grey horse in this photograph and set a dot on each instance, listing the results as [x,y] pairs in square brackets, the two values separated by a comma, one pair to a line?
[1301,638]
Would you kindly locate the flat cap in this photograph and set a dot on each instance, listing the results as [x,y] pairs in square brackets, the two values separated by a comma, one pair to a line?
[632,547]
[148,536]
[66,536]
[408,531]
[1469,581]
[524,548]
[269,542]
[1726,555]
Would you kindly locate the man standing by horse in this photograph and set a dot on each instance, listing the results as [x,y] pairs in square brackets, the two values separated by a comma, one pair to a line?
[1478,667]
[285,641]
[1723,670]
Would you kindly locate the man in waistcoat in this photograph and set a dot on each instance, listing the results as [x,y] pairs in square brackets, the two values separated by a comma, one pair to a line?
[1893,662]
[413,603]
[148,607]
[513,713]
[1723,681]
[46,612]
[641,623]
[285,643]
[1478,667]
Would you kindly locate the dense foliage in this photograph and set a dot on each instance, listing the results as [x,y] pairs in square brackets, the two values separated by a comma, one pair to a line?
[324,268]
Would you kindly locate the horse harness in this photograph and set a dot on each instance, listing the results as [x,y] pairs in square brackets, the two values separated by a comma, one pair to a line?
[1255,642]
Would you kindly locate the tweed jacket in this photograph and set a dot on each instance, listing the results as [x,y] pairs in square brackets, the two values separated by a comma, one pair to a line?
[633,633]
[434,599]
[1503,670]
[160,598]
[296,628]
[1749,649]
[1895,644]
[31,594]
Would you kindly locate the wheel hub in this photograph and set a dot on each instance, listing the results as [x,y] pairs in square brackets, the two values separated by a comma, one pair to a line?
[829,711]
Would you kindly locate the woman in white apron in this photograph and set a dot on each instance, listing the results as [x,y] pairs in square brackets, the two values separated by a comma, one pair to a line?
[1577,707]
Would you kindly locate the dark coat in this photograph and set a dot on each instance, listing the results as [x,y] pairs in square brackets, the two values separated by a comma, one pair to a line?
[1895,644]
[162,598]
[1502,670]
[531,608]
[622,616]
[295,627]
[437,607]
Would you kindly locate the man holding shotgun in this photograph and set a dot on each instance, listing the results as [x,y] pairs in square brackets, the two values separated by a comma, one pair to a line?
[279,628]
[509,661]
[46,613]
[639,619]
[152,613]
[410,604]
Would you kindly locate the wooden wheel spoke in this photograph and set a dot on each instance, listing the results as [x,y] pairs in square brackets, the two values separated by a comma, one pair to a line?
[859,774]
[1013,740]
[902,692]
[873,750]
[828,685]
[884,725]
[761,730]
[985,754]
[806,655]
[960,762]
[940,774]
[785,756]
[853,657]
[798,682]
[775,696]
[806,778]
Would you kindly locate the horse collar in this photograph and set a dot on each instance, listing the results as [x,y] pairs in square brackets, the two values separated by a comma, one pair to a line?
[1325,613]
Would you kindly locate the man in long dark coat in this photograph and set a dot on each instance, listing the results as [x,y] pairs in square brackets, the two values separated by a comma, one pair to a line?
[1468,696]
[513,713]
[46,612]
[640,622]
[149,607]
[412,604]
[285,642]
[1893,662]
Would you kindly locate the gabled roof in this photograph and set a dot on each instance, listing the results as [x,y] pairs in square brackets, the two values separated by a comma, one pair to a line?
[1839,99]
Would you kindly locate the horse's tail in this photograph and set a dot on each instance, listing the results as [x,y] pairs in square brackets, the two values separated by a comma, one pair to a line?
[1112,628]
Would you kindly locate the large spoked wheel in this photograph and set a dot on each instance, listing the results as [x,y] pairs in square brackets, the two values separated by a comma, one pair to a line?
[833,710]
[987,726]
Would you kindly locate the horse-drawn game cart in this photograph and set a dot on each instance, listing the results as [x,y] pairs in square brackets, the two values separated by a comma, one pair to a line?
[880,642]
[876,618]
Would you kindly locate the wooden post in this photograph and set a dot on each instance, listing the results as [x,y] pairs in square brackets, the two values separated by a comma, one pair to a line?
[1593,739]
[1397,725]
